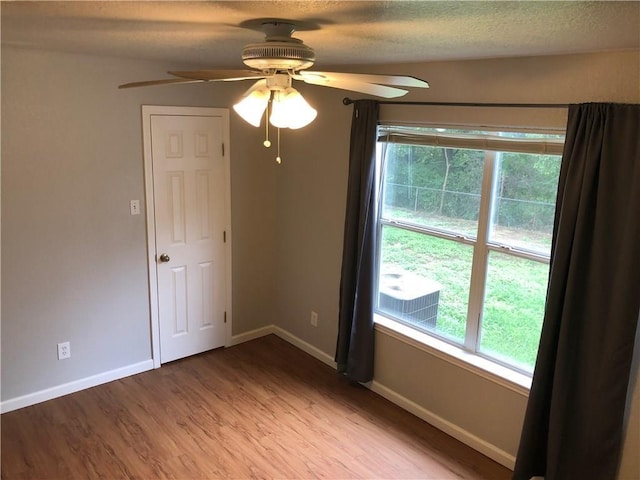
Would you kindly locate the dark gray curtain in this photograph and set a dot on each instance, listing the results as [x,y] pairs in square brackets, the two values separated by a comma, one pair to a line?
[354,350]
[574,420]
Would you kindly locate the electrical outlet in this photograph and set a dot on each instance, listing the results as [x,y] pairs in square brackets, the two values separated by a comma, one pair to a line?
[134,206]
[64,350]
[314,318]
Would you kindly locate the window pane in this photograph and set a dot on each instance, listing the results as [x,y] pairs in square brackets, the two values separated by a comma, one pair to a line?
[513,309]
[424,281]
[525,201]
[433,186]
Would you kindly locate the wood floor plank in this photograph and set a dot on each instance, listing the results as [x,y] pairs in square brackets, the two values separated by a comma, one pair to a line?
[263,409]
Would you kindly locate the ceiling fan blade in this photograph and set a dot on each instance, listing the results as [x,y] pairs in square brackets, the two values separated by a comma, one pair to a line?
[352,85]
[160,82]
[220,75]
[395,80]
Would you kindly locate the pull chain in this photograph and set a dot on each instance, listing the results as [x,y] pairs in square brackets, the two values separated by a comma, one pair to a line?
[267,142]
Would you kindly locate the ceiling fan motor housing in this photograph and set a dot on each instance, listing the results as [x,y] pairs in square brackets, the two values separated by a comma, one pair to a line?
[279,55]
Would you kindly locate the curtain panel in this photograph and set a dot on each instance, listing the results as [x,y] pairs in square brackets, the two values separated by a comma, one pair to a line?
[573,425]
[354,350]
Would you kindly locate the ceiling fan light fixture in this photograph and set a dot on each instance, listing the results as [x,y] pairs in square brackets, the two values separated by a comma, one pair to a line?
[289,109]
[252,106]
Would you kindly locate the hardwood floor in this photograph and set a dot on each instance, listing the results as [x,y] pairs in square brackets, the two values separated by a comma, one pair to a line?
[263,409]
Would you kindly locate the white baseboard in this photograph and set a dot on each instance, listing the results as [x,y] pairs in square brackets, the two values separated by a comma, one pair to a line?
[459,433]
[305,347]
[251,335]
[285,335]
[75,386]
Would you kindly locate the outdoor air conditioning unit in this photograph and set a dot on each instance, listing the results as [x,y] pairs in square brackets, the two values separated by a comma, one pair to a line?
[409,297]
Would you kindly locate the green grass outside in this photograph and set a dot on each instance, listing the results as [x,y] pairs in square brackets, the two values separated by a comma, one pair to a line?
[514,296]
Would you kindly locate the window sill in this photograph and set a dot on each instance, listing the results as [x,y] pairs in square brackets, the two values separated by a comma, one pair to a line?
[483,367]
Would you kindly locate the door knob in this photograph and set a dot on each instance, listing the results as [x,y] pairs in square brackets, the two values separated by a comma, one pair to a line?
[164,258]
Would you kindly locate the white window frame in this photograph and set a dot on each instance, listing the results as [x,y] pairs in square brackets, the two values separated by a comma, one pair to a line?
[466,354]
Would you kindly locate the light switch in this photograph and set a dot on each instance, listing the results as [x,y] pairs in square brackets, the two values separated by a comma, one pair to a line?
[135,207]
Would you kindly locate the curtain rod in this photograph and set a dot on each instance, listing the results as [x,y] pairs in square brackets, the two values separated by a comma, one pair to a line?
[348,101]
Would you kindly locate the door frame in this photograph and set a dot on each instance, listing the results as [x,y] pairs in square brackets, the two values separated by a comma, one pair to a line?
[147,112]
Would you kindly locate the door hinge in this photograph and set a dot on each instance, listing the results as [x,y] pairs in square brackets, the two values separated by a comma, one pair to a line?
[223,149]
[224,236]
[225,317]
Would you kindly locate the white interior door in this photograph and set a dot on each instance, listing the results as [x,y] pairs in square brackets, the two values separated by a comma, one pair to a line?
[190,205]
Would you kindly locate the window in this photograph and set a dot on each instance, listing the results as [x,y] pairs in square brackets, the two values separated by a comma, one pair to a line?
[465,224]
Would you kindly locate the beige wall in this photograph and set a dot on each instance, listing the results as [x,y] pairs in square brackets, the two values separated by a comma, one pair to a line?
[74,261]
[311,200]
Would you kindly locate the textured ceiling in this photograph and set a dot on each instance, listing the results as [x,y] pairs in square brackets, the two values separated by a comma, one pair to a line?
[212,34]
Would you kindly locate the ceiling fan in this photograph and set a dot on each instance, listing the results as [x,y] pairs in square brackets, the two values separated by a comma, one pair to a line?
[275,63]
[281,58]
